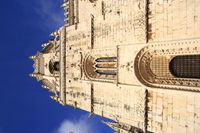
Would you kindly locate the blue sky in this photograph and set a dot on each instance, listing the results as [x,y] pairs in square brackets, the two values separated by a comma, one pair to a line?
[24,106]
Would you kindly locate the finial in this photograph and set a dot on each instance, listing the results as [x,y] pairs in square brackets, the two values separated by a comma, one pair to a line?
[55,33]
[32,75]
[45,44]
[64,5]
[32,57]
[56,98]
[44,86]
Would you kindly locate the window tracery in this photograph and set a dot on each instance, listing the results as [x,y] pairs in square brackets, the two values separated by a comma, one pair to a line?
[98,68]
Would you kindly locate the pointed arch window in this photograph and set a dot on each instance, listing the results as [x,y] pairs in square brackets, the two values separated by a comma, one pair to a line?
[104,68]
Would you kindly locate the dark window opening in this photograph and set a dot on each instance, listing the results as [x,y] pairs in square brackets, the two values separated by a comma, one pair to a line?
[54,66]
[106,59]
[113,65]
[187,66]
[106,73]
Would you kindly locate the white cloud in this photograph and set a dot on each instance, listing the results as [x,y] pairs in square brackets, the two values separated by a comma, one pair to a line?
[83,125]
[50,13]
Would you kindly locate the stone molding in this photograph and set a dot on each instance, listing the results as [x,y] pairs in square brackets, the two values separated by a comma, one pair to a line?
[168,50]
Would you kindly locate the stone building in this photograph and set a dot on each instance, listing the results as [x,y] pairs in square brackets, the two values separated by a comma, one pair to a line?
[136,62]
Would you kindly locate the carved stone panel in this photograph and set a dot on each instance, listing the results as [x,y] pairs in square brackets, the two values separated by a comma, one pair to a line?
[152,64]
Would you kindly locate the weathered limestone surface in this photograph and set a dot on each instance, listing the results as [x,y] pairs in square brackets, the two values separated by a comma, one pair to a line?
[173,111]
[173,20]
[114,58]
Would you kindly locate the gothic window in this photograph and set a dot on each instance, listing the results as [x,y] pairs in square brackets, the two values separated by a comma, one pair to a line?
[106,65]
[186,66]
[101,68]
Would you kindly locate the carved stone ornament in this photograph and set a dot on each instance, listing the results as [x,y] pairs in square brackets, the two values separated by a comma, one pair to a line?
[161,55]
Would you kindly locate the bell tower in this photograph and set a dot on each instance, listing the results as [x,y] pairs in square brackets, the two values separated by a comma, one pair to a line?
[136,62]
[46,66]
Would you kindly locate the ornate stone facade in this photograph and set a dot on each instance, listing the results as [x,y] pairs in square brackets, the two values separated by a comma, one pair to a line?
[136,62]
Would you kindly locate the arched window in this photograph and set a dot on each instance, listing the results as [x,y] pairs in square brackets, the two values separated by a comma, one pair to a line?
[101,68]
[186,66]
